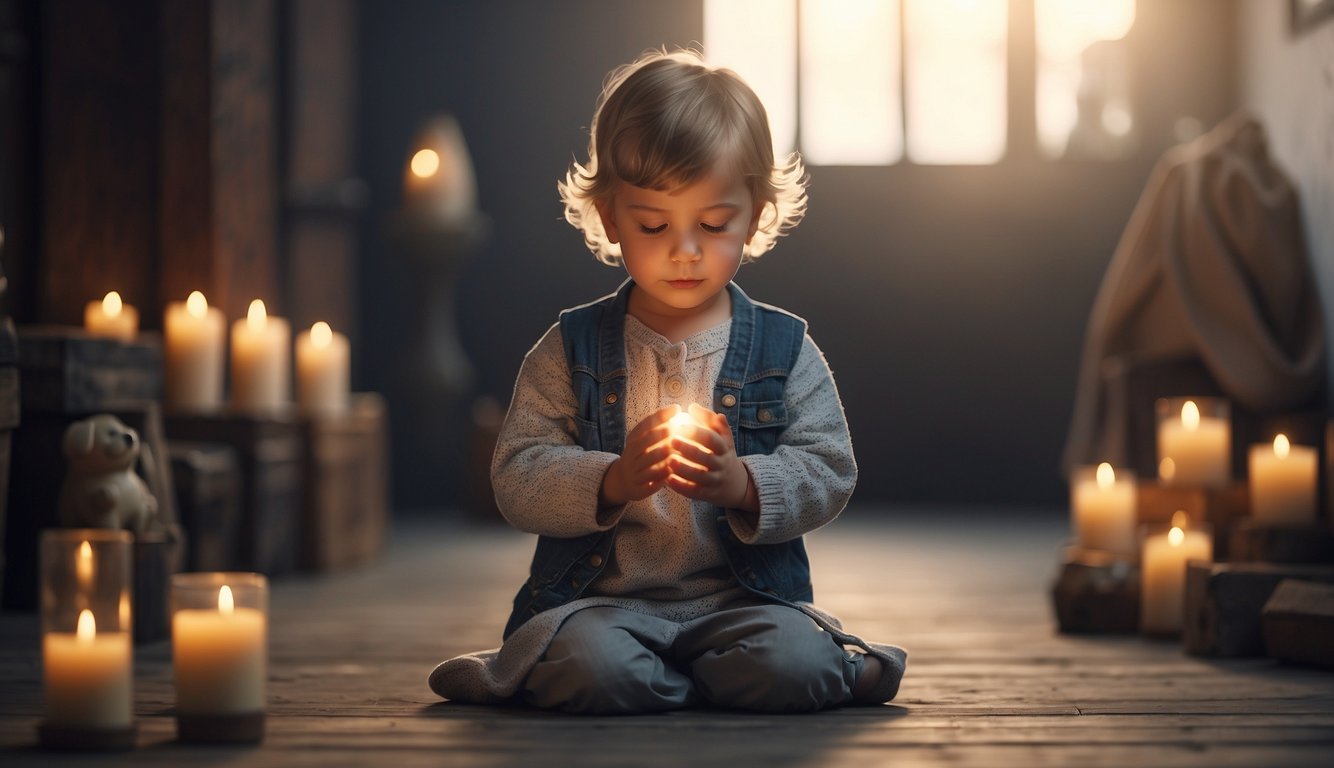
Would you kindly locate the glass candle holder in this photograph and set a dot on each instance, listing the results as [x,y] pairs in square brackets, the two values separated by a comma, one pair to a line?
[219,646]
[1103,509]
[1194,441]
[87,656]
[1165,551]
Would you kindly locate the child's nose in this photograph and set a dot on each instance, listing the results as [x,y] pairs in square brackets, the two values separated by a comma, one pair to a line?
[687,249]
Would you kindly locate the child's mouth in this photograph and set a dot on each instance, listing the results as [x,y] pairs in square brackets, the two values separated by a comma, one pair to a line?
[684,283]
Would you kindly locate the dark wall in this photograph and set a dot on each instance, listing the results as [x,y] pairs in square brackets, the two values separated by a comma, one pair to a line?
[950,301]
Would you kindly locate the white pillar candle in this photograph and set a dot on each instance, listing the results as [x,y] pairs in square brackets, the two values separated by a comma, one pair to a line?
[1283,483]
[322,370]
[86,677]
[220,658]
[1194,450]
[111,318]
[194,337]
[261,373]
[1163,574]
[1104,508]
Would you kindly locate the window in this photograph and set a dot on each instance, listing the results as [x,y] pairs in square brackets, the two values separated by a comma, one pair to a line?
[869,82]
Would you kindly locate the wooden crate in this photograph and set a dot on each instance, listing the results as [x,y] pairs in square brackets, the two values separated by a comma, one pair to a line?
[9,419]
[1224,602]
[269,451]
[208,493]
[1255,542]
[1299,623]
[68,376]
[346,508]
[1095,592]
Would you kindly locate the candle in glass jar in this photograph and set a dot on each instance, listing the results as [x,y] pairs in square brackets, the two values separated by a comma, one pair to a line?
[322,370]
[1283,483]
[86,677]
[260,370]
[219,657]
[1163,574]
[111,318]
[1104,507]
[1194,449]
[195,338]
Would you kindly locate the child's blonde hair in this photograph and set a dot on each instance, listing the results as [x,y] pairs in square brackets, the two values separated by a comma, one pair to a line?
[663,121]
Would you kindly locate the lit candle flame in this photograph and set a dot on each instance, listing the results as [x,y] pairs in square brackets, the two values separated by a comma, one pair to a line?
[425,163]
[83,565]
[111,304]
[321,335]
[1180,519]
[1176,536]
[225,602]
[1106,476]
[1190,415]
[196,304]
[87,629]
[679,422]
[1167,468]
[1282,446]
[256,317]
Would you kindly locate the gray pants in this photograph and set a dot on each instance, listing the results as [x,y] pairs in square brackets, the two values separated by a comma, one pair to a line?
[768,658]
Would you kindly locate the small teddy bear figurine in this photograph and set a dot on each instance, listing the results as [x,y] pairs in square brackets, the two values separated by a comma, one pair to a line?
[101,489]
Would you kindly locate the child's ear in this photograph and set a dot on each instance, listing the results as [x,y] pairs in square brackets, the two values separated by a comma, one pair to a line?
[604,208]
[754,222]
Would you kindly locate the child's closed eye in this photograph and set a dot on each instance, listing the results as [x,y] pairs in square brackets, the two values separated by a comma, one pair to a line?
[652,230]
[716,229]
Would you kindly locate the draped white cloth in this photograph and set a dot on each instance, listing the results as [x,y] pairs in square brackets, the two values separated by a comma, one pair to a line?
[1212,266]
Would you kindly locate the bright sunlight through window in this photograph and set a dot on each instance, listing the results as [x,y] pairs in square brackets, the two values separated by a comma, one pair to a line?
[955,80]
[757,39]
[1083,92]
[851,109]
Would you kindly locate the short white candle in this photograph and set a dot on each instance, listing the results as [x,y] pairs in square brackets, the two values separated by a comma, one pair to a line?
[220,658]
[1104,506]
[261,374]
[1163,574]
[1283,483]
[1198,447]
[322,370]
[86,677]
[195,338]
[111,318]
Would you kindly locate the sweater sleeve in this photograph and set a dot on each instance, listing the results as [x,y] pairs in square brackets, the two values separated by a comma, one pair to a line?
[544,482]
[808,479]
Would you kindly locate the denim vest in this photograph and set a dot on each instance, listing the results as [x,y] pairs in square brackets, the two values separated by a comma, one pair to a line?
[761,351]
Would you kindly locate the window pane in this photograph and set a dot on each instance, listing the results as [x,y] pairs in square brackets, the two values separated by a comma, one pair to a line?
[757,39]
[955,75]
[850,100]
[1083,85]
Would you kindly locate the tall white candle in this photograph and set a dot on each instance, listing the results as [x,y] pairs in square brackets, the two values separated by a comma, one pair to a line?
[322,370]
[111,318]
[1163,574]
[86,677]
[1104,507]
[195,337]
[1194,449]
[261,374]
[220,658]
[1283,483]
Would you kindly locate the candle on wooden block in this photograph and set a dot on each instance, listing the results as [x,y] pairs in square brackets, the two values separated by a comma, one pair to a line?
[87,660]
[322,370]
[1103,503]
[261,374]
[1283,483]
[111,318]
[1194,442]
[195,338]
[1163,574]
[220,655]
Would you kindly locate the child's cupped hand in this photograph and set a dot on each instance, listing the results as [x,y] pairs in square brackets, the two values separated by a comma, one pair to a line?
[642,467]
[703,463]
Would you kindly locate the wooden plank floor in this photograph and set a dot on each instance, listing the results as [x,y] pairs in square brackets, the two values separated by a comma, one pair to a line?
[989,682]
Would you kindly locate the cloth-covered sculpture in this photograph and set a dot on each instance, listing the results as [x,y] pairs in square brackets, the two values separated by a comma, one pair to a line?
[1212,266]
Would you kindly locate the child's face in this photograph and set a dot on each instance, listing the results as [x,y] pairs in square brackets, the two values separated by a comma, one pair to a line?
[682,247]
